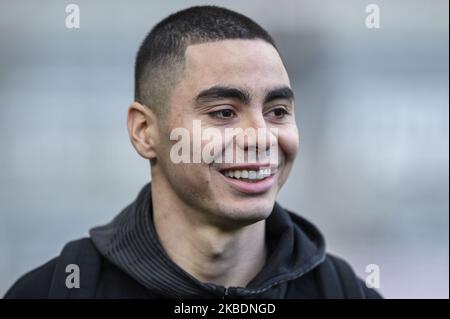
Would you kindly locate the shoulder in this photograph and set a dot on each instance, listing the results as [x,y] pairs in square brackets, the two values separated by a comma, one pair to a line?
[43,281]
[34,284]
[346,280]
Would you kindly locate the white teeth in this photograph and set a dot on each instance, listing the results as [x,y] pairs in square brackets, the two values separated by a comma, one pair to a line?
[252,175]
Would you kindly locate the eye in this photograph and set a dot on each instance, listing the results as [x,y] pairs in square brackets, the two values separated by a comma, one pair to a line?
[279,112]
[224,114]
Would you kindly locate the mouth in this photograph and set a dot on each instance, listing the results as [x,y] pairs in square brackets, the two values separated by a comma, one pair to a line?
[249,179]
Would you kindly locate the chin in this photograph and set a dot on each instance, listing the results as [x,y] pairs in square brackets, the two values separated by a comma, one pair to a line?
[246,212]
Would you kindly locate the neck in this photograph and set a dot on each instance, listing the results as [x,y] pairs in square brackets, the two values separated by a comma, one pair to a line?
[208,252]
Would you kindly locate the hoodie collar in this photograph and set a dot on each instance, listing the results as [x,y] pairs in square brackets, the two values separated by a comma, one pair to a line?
[130,242]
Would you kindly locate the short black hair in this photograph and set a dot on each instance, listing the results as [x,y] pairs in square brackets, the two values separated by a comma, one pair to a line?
[160,58]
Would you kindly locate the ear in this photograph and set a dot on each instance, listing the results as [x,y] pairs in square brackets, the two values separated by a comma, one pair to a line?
[143,130]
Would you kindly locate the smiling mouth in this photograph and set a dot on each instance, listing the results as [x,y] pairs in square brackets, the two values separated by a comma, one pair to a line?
[248,175]
[250,179]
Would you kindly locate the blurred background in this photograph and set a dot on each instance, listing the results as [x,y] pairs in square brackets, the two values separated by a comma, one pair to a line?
[372,107]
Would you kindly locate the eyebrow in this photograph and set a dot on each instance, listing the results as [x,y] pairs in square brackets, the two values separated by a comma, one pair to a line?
[224,92]
[243,95]
[283,93]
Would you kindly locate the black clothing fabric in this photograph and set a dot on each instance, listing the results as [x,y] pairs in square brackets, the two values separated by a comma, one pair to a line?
[124,259]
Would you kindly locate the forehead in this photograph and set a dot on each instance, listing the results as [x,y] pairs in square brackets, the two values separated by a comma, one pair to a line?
[248,63]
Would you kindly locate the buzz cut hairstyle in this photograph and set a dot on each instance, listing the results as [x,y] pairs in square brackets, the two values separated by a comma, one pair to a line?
[160,59]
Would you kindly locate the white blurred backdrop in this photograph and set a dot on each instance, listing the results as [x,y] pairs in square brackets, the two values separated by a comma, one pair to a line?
[372,107]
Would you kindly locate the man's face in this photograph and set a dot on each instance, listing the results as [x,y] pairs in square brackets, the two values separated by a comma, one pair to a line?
[229,67]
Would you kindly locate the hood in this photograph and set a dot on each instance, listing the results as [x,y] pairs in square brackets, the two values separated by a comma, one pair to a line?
[130,242]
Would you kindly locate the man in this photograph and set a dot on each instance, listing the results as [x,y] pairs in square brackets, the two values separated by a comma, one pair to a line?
[208,228]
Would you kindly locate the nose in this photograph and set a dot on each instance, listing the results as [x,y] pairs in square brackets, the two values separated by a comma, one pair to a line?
[255,135]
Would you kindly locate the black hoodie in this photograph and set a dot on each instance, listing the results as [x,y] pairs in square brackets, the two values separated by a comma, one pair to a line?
[124,259]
